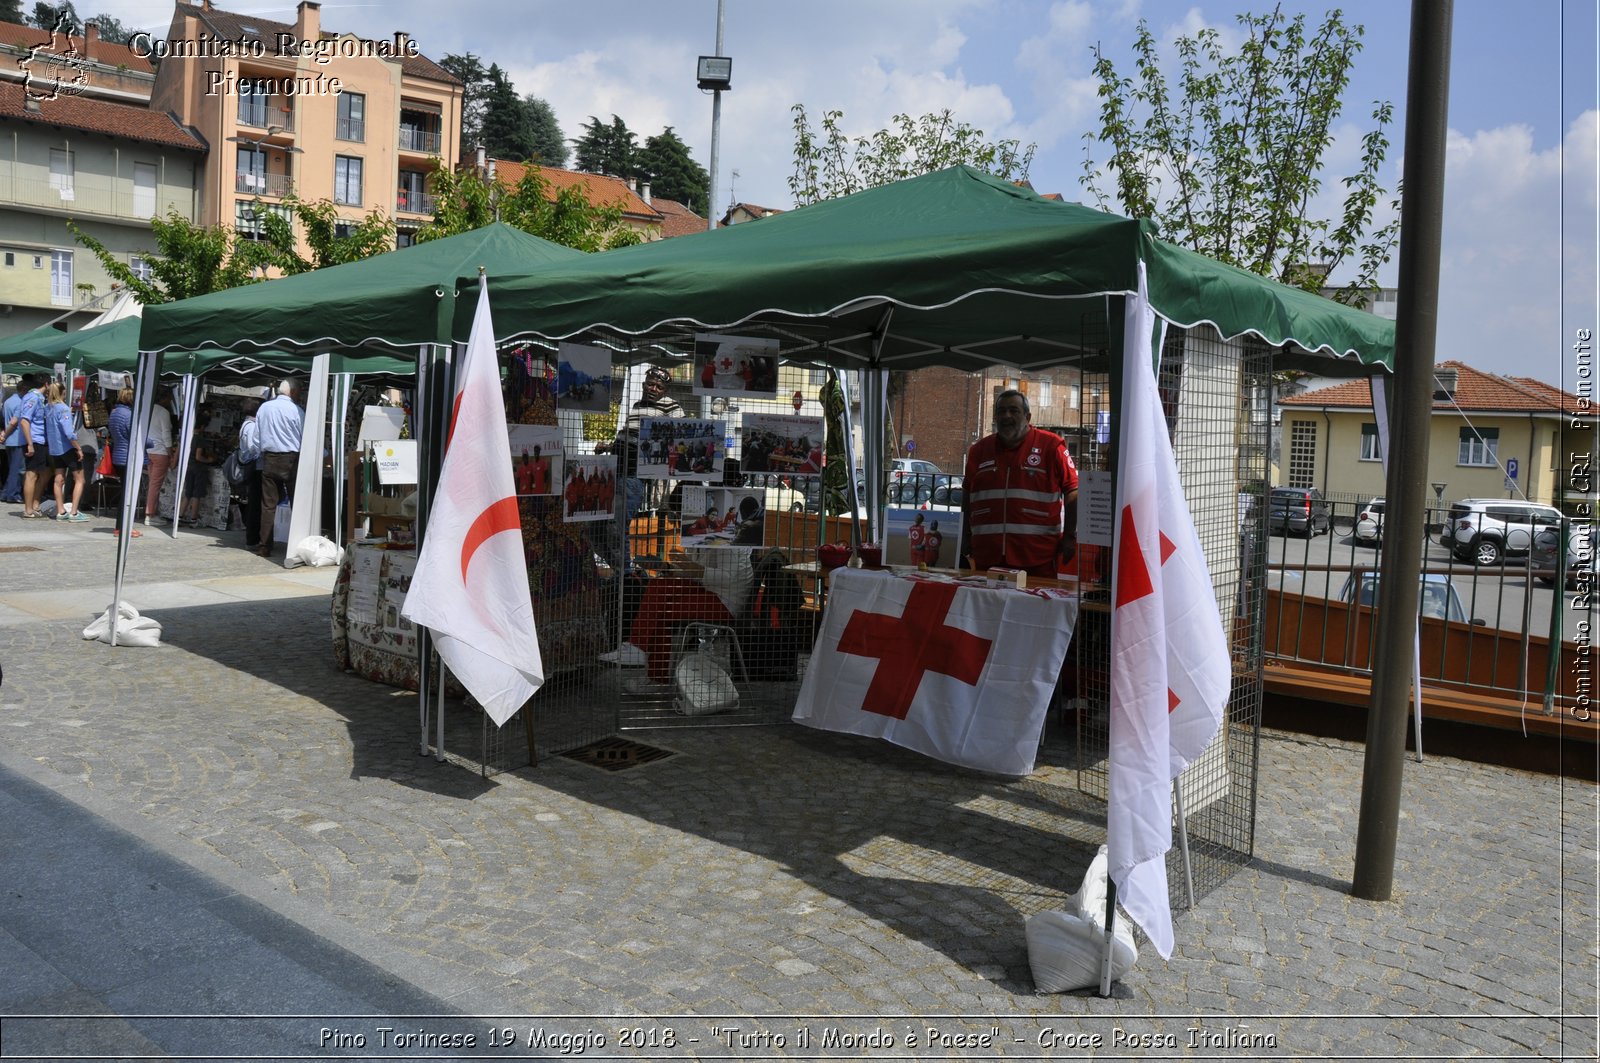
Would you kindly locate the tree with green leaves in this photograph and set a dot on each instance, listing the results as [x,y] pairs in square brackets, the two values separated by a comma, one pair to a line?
[607,149]
[62,17]
[475,79]
[505,120]
[673,173]
[192,259]
[549,146]
[828,163]
[467,200]
[111,29]
[11,11]
[1230,163]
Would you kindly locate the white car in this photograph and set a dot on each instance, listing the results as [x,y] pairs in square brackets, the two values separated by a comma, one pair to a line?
[1485,531]
[1369,523]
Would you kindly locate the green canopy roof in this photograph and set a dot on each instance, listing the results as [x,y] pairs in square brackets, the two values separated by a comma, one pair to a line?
[970,270]
[387,304]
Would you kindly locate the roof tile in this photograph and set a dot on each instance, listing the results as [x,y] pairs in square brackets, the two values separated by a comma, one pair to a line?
[99,116]
[1475,390]
[600,189]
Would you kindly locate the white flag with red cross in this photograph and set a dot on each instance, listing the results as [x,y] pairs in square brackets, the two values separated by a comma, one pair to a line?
[957,672]
[1170,670]
[471,583]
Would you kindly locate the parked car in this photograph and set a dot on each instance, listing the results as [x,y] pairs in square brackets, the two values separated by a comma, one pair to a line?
[1581,543]
[1438,596]
[1485,531]
[913,466]
[1369,523]
[1297,511]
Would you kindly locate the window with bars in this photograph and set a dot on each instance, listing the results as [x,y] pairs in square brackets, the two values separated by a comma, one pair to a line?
[140,267]
[1302,454]
[1371,449]
[1479,446]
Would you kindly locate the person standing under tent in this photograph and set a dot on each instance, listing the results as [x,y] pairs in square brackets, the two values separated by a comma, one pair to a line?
[36,454]
[119,430]
[1021,495]
[280,423]
[250,458]
[66,453]
[158,451]
[11,415]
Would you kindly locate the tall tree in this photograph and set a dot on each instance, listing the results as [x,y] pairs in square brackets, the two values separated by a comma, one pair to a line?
[608,149]
[829,163]
[544,132]
[673,173]
[469,68]
[62,17]
[1231,165]
[11,11]
[505,120]
[465,201]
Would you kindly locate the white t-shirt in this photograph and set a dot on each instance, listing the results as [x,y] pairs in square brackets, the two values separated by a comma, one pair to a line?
[160,436]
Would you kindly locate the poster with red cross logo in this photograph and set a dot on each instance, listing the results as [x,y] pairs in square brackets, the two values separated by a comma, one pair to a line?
[957,671]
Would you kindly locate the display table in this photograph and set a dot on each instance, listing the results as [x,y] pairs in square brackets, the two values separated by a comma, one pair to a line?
[954,668]
[372,639]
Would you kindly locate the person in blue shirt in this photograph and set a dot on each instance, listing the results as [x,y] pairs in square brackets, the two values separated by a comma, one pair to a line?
[66,453]
[11,414]
[119,427]
[36,457]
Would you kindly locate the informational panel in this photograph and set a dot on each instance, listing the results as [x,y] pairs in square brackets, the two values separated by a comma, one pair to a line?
[396,460]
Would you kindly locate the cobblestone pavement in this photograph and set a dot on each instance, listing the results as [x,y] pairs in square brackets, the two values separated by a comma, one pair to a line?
[768,884]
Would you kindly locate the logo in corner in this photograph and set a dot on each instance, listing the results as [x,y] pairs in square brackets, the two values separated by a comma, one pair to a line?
[54,68]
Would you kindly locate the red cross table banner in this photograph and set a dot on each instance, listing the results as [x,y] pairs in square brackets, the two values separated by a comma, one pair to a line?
[959,672]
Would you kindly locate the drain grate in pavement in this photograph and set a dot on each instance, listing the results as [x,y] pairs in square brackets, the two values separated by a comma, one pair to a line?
[617,754]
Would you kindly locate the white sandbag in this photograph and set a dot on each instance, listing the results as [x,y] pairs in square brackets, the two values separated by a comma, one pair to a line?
[704,686]
[1090,900]
[1064,951]
[132,629]
[318,551]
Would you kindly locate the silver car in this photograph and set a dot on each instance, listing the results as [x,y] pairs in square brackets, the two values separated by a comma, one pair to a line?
[1581,543]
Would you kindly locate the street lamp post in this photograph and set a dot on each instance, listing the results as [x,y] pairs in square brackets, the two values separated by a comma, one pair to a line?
[715,72]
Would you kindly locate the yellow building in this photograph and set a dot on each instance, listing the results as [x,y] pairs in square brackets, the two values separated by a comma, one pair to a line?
[294,107]
[1485,428]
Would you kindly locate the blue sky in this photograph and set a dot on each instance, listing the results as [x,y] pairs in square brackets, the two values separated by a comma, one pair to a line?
[1519,259]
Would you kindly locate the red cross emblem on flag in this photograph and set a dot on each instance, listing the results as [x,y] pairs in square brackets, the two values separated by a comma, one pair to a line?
[910,645]
[1133,579]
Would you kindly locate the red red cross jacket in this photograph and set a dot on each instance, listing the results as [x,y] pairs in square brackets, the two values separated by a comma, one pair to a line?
[1014,501]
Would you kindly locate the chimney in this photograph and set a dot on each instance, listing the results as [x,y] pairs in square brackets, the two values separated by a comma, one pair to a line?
[1444,382]
[481,170]
[644,191]
[402,43]
[91,37]
[307,20]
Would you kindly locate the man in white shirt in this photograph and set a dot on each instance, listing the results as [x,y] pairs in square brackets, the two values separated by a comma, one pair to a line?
[279,425]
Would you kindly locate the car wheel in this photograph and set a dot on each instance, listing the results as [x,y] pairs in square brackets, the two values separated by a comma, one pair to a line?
[797,507]
[1547,581]
[1367,531]
[1486,552]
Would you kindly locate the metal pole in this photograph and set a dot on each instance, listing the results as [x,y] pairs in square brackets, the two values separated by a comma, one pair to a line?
[716,132]
[1427,106]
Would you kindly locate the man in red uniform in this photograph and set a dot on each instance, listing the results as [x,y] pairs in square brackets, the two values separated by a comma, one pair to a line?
[1020,507]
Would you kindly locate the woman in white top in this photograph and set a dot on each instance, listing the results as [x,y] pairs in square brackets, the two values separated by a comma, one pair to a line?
[158,449]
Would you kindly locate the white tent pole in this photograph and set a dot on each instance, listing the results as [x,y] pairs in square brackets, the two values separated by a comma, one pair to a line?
[305,516]
[185,439]
[144,396]
[342,386]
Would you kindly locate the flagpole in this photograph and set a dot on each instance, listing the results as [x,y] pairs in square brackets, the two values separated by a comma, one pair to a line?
[1111,925]
[1183,838]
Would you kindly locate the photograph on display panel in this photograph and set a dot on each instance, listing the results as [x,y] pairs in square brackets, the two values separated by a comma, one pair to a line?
[536,458]
[735,366]
[722,516]
[583,378]
[922,537]
[682,448]
[782,443]
[590,489]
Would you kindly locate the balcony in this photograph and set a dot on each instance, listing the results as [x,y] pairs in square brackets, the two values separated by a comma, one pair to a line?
[409,202]
[96,195]
[275,113]
[276,185]
[421,141]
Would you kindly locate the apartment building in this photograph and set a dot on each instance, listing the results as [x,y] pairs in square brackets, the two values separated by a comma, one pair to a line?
[297,108]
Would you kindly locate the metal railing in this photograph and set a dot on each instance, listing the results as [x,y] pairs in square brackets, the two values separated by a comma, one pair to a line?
[264,184]
[1499,642]
[414,202]
[414,139]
